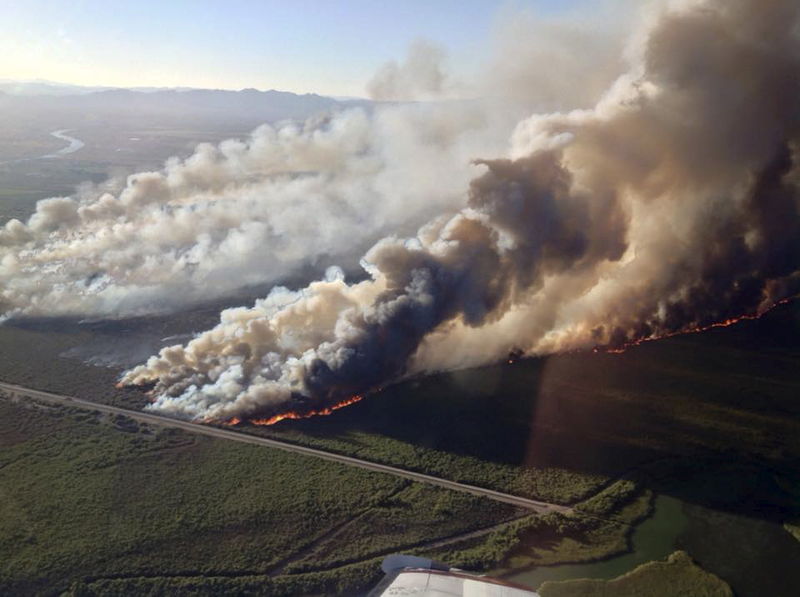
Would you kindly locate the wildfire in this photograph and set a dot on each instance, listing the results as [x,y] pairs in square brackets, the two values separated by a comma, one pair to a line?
[693,330]
[299,415]
[515,355]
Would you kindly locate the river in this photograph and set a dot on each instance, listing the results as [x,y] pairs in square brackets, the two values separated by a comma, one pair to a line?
[74,144]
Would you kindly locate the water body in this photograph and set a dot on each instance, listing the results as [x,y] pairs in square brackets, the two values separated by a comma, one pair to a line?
[74,144]
[755,556]
[653,539]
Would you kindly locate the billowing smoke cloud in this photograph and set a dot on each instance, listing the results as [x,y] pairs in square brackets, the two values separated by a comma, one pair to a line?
[245,212]
[321,345]
[699,144]
[534,62]
[673,203]
[253,211]
[422,76]
[557,62]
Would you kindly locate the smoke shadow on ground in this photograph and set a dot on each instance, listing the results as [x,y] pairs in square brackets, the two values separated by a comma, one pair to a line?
[718,407]
[711,418]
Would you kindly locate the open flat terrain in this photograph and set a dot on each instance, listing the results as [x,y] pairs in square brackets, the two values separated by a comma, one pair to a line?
[710,418]
[104,504]
[109,154]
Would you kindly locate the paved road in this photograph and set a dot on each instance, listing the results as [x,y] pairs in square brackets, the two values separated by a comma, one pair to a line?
[144,417]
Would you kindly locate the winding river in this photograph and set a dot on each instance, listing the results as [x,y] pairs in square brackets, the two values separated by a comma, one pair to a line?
[74,144]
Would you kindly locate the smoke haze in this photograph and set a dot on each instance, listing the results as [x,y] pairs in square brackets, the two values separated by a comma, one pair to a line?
[671,204]
[243,213]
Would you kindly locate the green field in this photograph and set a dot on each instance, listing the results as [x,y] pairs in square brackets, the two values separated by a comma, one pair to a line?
[97,502]
[712,419]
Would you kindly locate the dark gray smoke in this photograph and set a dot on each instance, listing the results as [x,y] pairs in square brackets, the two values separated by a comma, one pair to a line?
[673,203]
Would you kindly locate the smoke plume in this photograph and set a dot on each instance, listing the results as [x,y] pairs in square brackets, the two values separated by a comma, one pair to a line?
[560,62]
[672,204]
[250,212]
[244,212]
[422,76]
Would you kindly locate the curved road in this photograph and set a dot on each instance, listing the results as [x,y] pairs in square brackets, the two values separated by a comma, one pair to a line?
[534,505]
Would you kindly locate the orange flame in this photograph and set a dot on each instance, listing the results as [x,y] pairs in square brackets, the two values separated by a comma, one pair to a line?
[695,329]
[299,415]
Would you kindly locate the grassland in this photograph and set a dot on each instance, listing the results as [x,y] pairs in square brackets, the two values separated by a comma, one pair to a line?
[601,529]
[101,503]
[599,430]
[93,505]
[33,356]
[25,141]
[564,427]
[678,576]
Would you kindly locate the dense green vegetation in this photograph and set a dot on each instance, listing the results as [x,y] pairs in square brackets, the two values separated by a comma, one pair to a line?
[547,483]
[678,576]
[562,427]
[600,528]
[34,356]
[600,431]
[344,581]
[107,503]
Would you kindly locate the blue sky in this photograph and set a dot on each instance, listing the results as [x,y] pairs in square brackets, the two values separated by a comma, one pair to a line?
[323,46]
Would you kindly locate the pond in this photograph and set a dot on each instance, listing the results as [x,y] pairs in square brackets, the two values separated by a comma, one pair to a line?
[653,539]
[755,556]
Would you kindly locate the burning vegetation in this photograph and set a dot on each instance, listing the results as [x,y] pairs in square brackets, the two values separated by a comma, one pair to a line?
[298,414]
[669,206]
[661,208]
[694,329]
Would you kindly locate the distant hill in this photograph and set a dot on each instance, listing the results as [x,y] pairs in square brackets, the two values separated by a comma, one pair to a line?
[161,107]
[267,105]
[42,87]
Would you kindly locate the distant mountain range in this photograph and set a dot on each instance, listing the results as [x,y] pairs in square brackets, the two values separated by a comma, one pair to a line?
[45,87]
[72,105]
[42,87]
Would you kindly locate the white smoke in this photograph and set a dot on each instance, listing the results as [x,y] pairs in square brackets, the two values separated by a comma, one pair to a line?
[244,212]
[252,211]
[672,203]
[422,76]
